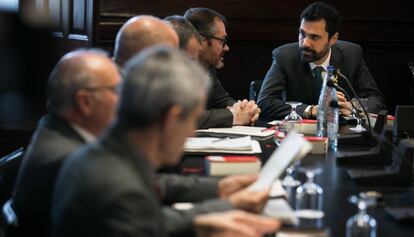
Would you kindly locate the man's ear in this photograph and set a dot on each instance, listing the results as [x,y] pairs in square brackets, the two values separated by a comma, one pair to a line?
[82,102]
[333,39]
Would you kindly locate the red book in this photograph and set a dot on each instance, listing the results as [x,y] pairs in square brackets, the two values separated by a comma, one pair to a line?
[228,165]
[319,144]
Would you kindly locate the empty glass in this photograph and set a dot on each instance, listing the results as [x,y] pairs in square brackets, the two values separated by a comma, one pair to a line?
[293,116]
[361,224]
[360,111]
[309,198]
[290,184]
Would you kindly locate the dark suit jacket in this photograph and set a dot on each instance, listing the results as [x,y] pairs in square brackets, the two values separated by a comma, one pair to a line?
[216,114]
[201,190]
[106,189]
[290,79]
[83,206]
[51,142]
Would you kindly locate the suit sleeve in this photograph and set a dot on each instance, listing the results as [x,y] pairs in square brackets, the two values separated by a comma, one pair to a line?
[219,97]
[217,115]
[215,118]
[272,93]
[365,85]
[177,188]
[179,223]
[132,214]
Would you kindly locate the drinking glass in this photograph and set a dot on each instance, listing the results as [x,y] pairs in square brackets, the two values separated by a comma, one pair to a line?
[293,116]
[361,224]
[309,198]
[290,184]
[360,111]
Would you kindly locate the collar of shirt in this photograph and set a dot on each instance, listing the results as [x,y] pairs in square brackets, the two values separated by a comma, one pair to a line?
[325,64]
[87,136]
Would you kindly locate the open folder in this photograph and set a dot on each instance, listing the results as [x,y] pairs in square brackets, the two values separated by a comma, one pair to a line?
[293,147]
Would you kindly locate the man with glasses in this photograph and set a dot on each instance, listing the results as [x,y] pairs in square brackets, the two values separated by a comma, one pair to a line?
[82,96]
[222,109]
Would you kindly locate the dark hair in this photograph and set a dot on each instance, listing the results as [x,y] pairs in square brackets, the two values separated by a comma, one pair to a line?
[185,30]
[320,10]
[203,19]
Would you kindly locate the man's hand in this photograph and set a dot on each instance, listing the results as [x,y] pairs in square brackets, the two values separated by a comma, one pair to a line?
[251,201]
[234,224]
[345,106]
[234,183]
[245,112]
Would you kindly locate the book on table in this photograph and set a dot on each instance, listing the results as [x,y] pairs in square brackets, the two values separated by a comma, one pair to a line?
[307,126]
[229,165]
[319,144]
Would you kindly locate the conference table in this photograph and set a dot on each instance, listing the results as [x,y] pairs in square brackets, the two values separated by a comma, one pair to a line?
[337,186]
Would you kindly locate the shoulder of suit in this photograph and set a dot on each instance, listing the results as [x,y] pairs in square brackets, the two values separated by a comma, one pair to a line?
[286,48]
[287,52]
[346,45]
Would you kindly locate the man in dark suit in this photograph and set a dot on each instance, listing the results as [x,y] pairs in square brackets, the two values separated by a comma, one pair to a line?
[298,68]
[81,102]
[222,109]
[211,194]
[107,188]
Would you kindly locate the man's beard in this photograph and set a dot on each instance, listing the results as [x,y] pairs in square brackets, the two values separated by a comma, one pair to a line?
[312,55]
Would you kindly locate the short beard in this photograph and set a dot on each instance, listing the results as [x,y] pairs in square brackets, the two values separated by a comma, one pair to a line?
[314,56]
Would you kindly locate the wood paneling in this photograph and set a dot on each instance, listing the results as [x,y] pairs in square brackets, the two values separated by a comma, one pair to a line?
[383,28]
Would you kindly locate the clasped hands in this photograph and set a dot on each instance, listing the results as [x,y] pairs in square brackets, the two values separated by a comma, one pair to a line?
[245,112]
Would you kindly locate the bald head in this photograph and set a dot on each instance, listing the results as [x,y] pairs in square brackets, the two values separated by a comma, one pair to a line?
[141,32]
[81,89]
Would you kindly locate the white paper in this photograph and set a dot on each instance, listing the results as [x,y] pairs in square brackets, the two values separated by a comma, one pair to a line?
[242,145]
[293,147]
[241,130]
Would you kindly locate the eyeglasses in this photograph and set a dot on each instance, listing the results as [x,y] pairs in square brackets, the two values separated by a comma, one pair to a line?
[224,40]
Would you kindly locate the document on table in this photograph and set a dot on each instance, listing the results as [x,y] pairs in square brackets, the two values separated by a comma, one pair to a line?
[293,147]
[258,132]
[242,145]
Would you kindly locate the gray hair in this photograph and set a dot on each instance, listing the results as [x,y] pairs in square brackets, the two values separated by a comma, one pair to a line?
[67,77]
[185,30]
[157,79]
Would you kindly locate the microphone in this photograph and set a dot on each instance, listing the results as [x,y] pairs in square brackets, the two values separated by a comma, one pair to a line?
[354,110]
[337,72]
[331,83]
[334,104]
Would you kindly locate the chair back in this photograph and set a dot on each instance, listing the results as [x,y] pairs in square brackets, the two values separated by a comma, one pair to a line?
[255,89]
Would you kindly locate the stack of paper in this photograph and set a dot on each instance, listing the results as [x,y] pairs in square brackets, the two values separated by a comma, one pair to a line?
[255,132]
[243,145]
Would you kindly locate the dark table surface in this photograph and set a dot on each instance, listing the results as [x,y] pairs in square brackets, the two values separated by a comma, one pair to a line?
[337,186]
